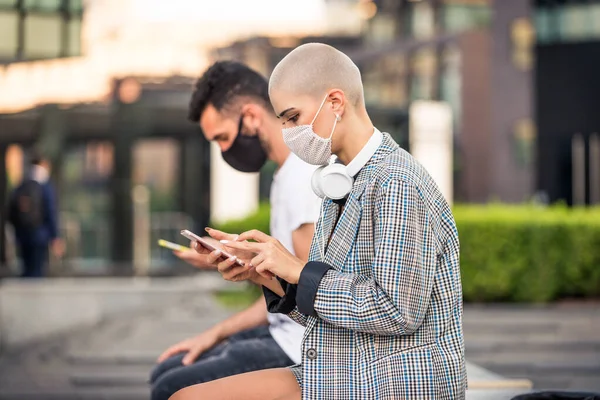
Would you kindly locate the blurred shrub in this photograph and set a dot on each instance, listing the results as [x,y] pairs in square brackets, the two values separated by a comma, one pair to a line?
[520,253]
[259,220]
[528,253]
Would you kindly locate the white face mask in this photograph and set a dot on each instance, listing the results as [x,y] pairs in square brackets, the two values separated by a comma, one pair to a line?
[306,144]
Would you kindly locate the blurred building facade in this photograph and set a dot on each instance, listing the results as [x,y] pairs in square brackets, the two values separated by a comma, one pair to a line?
[40,29]
[524,125]
[109,104]
[103,91]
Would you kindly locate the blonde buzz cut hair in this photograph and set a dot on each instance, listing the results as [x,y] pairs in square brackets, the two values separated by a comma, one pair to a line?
[315,68]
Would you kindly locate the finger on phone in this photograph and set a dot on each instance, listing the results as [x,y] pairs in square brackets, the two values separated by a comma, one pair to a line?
[256,235]
[214,256]
[219,235]
[199,248]
[226,264]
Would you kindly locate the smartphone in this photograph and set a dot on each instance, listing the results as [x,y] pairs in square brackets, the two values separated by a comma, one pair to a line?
[209,244]
[172,246]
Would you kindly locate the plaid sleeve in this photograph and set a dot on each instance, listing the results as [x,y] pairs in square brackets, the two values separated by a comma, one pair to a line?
[285,304]
[395,299]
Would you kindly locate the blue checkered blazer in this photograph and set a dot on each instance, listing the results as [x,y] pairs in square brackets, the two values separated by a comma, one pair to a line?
[384,316]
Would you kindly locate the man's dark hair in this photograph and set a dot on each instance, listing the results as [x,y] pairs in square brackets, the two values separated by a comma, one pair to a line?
[223,84]
[37,157]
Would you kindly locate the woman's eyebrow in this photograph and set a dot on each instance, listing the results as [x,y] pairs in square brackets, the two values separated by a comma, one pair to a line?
[281,114]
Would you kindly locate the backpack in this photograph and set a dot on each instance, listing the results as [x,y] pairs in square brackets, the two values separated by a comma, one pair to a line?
[28,206]
[559,395]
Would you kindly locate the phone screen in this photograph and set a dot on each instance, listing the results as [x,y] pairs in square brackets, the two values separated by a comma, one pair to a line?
[210,244]
[171,245]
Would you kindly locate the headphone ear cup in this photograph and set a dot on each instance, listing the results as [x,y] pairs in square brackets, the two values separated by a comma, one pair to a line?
[316,182]
[335,182]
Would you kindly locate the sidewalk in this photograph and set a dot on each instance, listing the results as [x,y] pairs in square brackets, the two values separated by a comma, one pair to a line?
[112,360]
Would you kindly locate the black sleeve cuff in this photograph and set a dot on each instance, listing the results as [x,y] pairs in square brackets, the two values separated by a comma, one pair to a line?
[281,305]
[310,278]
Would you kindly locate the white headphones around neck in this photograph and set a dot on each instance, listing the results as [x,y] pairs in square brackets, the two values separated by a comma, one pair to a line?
[334,181]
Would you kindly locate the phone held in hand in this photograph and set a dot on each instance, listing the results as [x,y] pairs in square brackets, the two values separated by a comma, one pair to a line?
[172,246]
[210,244]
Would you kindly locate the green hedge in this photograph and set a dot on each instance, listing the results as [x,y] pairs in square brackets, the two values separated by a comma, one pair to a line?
[259,220]
[528,253]
[515,253]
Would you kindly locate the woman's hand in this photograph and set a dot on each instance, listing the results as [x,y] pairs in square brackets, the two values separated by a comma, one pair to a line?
[270,256]
[228,268]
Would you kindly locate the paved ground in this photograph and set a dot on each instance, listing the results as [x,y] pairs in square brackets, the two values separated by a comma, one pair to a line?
[555,347]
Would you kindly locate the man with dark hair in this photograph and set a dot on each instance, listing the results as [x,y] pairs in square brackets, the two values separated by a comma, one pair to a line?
[32,212]
[231,104]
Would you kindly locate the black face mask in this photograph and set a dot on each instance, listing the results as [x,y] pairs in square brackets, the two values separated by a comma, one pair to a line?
[246,154]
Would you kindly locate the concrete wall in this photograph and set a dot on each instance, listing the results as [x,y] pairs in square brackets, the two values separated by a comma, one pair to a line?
[233,194]
[33,310]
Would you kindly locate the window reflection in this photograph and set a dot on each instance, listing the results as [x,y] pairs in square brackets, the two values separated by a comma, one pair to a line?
[423,66]
[385,81]
[567,23]
[450,90]
[42,36]
[8,32]
[74,47]
[461,16]
[422,22]
[51,28]
[42,5]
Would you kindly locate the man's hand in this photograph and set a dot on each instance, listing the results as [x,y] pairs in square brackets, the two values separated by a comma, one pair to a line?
[202,258]
[198,260]
[194,346]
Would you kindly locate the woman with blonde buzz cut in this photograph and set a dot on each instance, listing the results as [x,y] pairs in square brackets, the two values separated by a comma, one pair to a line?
[381,295]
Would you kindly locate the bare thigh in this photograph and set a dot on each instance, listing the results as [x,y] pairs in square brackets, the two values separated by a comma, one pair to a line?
[268,384]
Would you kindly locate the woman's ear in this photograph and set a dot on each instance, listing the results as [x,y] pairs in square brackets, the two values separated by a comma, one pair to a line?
[337,101]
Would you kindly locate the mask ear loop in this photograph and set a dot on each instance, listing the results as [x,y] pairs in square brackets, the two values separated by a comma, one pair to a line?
[319,110]
[337,119]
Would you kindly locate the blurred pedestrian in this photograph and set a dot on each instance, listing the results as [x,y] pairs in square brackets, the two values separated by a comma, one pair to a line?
[34,217]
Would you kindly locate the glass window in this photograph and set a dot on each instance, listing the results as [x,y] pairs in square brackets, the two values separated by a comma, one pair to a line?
[422,24]
[42,36]
[85,203]
[382,30]
[74,37]
[574,22]
[546,29]
[384,81]
[9,34]
[594,18]
[42,5]
[450,89]
[75,6]
[423,66]
[461,17]
[7,3]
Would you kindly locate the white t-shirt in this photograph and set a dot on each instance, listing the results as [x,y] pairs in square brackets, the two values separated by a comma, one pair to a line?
[293,203]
